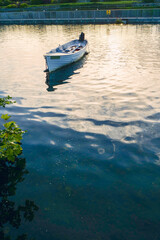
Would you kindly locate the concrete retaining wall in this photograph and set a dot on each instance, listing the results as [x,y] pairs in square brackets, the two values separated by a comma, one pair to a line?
[64,17]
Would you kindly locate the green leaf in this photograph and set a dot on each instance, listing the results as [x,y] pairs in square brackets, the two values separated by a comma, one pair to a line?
[6,100]
[5,117]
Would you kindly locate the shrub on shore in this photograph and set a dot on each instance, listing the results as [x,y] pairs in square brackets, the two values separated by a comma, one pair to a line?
[11,6]
[23,5]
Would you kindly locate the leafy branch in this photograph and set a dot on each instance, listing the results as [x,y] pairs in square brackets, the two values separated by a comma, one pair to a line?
[10,136]
[6,100]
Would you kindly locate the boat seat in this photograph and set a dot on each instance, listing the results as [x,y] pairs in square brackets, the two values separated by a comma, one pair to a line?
[78,48]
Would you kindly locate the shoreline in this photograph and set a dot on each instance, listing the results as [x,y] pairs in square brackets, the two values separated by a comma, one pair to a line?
[78,21]
[81,17]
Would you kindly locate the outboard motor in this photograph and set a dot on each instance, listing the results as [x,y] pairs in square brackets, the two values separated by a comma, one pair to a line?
[81,37]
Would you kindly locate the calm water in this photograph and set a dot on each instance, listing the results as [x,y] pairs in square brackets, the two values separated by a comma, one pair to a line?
[92,147]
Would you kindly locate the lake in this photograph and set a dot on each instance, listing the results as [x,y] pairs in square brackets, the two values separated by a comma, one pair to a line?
[92,147]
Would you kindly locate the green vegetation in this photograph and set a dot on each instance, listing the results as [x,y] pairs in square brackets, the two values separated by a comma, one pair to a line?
[99,3]
[10,135]
[79,5]
[23,5]
[11,6]
[119,21]
[69,4]
[6,100]
[94,5]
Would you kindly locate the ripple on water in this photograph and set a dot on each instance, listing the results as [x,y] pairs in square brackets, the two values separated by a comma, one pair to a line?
[92,141]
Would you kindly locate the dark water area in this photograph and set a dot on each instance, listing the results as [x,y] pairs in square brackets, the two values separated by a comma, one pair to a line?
[91,159]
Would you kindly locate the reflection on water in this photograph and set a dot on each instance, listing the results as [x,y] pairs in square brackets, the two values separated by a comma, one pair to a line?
[92,147]
[61,76]
[10,214]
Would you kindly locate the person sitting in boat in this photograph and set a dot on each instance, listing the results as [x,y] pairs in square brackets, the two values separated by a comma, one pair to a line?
[81,37]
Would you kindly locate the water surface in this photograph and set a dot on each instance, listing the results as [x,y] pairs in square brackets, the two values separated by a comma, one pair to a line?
[92,141]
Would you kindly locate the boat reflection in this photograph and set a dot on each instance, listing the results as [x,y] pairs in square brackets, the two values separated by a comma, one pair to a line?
[11,214]
[61,76]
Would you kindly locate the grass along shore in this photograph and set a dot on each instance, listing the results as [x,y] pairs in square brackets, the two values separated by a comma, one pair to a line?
[82,6]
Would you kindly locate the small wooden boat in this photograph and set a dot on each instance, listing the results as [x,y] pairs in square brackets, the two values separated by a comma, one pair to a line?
[66,54]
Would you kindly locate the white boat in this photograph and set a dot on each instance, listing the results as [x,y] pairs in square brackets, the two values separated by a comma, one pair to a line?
[66,54]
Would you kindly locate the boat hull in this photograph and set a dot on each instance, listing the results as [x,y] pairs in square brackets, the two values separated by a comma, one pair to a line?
[56,62]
